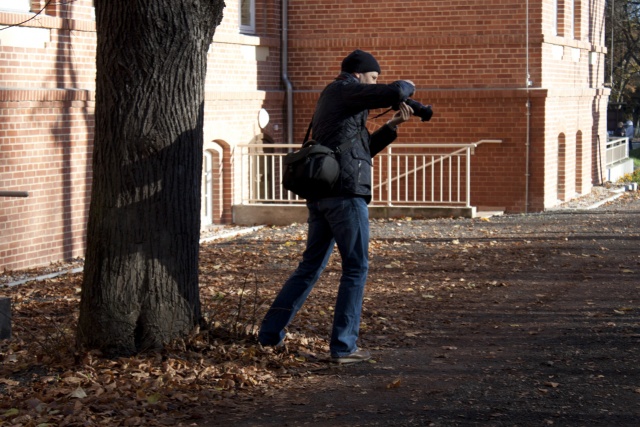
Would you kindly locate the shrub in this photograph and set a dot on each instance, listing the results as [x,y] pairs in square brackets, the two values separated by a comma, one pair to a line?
[630,177]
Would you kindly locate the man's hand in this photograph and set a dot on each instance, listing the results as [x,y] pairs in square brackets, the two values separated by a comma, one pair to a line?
[402,115]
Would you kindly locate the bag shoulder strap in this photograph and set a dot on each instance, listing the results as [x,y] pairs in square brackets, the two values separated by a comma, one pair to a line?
[306,137]
[342,147]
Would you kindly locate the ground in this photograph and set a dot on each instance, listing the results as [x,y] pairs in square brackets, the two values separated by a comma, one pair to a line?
[518,320]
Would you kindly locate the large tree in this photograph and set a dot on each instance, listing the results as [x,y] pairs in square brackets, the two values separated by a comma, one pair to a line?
[140,286]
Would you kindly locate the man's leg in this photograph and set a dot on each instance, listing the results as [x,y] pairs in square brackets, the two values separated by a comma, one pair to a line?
[350,226]
[296,289]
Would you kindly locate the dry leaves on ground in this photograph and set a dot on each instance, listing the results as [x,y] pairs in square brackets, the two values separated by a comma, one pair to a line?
[44,380]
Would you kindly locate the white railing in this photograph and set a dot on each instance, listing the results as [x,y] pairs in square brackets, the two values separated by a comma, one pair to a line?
[429,174]
[617,150]
[403,174]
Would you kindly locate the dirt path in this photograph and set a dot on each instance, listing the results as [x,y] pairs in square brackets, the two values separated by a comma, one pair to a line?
[520,320]
[516,321]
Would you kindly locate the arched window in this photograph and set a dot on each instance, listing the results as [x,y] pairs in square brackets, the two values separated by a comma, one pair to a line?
[206,209]
[212,191]
[562,167]
[560,15]
[577,19]
[579,163]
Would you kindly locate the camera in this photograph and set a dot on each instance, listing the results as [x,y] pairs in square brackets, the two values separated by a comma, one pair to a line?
[423,111]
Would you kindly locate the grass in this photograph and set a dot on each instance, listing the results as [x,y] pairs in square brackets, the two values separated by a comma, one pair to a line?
[635,155]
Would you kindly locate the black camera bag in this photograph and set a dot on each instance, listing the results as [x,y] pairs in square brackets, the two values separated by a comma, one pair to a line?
[312,171]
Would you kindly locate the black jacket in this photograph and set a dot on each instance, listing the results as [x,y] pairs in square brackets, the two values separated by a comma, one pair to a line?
[341,116]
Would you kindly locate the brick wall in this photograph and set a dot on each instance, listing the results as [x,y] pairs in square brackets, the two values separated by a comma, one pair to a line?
[470,59]
[46,129]
[47,100]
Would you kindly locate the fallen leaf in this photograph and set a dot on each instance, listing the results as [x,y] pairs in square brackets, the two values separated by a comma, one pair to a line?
[78,393]
[394,384]
[72,380]
[7,381]
[154,398]
[11,412]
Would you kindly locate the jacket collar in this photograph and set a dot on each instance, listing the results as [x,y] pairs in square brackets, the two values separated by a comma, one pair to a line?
[344,76]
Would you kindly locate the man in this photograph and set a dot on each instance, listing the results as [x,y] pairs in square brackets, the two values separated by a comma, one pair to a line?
[342,218]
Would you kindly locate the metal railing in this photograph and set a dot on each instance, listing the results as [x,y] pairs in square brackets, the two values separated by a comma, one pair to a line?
[5,193]
[403,174]
[429,174]
[617,150]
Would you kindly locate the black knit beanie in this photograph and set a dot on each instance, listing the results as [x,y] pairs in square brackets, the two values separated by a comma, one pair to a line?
[360,61]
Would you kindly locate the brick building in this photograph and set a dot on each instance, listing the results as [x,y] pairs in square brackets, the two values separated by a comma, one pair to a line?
[528,73]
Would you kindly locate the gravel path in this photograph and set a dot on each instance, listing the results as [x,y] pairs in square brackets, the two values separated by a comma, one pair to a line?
[597,199]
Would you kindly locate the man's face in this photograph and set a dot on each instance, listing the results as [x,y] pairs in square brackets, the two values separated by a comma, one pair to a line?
[368,78]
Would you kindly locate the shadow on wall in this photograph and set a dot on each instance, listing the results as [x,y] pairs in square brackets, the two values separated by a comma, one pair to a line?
[67,77]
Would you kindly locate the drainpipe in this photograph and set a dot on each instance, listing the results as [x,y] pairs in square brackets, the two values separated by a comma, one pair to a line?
[528,84]
[284,58]
[527,145]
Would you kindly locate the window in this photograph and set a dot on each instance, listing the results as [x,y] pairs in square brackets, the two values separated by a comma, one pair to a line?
[572,17]
[16,5]
[206,211]
[577,19]
[562,168]
[560,14]
[248,16]
[555,17]
[212,185]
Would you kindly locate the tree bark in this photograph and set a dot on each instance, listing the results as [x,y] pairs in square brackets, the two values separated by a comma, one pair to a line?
[140,286]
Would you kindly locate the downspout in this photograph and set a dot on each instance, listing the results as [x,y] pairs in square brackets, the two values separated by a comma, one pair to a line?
[528,137]
[284,59]
[613,5]
[528,146]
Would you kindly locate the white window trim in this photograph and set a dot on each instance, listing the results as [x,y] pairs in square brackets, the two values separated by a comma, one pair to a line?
[555,18]
[572,21]
[15,5]
[206,210]
[251,28]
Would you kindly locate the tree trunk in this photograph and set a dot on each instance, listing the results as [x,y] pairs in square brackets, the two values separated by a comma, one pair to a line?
[140,286]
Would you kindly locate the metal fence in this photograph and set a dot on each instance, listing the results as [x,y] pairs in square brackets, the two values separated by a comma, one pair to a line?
[403,174]
[617,150]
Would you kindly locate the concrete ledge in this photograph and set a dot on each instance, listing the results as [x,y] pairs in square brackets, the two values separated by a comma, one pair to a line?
[616,170]
[381,212]
[5,318]
[288,214]
[269,214]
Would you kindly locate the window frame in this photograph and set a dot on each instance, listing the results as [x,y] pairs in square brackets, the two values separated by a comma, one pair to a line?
[556,18]
[26,8]
[249,28]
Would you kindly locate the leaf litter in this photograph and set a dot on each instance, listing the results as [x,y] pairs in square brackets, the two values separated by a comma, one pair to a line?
[417,268]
